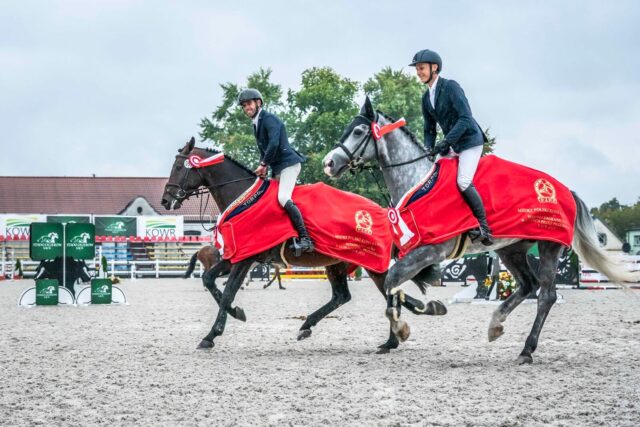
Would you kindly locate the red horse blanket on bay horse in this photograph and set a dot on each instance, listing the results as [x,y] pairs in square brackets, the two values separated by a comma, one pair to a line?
[520,202]
[342,225]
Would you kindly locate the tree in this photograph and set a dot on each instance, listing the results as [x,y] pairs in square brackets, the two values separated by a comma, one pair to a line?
[398,95]
[324,106]
[620,218]
[229,128]
[315,117]
[490,144]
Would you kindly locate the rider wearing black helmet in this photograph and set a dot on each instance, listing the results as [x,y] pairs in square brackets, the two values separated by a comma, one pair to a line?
[445,104]
[277,153]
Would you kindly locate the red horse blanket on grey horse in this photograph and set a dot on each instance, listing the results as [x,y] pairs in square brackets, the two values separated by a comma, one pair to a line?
[342,225]
[520,202]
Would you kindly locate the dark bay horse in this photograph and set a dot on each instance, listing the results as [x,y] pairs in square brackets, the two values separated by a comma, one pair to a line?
[226,182]
[403,161]
[209,256]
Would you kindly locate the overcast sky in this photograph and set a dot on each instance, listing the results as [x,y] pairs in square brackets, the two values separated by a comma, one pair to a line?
[114,87]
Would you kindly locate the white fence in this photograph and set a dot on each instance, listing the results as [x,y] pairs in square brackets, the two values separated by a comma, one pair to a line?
[122,268]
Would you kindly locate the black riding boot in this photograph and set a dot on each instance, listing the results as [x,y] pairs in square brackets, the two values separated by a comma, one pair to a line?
[473,199]
[304,244]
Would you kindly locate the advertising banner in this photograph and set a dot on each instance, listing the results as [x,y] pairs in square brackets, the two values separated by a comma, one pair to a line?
[16,225]
[69,219]
[116,226]
[101,291]
[47,292]
[46,241]
[160,226]
[80,241]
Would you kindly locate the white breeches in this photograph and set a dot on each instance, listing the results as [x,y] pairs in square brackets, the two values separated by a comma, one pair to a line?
[467,165]
[287,178]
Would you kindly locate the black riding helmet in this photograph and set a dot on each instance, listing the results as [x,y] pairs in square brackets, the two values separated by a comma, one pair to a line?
[248,95]
[428,56]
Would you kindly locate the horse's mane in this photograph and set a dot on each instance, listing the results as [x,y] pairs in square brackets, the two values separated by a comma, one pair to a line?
[228,157]
[405,130]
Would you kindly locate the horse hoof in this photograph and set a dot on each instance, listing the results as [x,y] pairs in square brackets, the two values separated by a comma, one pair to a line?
[304,333]
[282,288]
[436,308]
[525,359]
[383,350]
[240,315]
[205,345]
[401,330]
[495,332]
[389,345]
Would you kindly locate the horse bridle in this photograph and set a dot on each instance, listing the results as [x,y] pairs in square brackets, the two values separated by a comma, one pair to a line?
[356,163]
[183,194]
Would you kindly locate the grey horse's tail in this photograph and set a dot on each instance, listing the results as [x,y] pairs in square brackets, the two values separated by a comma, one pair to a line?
[192,265]
[585,243]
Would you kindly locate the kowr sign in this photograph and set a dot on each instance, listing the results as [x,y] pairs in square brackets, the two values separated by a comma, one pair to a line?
[18,225]
[160,226]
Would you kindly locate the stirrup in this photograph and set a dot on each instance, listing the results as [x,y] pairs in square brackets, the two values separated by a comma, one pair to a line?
[298,246]
[484,236]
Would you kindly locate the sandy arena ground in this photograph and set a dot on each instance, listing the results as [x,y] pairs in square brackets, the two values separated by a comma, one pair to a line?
[137,364]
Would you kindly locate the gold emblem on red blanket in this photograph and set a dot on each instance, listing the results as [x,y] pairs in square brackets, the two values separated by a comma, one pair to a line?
[545,190]
[364,222]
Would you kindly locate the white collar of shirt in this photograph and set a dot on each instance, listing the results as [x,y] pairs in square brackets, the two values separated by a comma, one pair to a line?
[256,118]
[432,92]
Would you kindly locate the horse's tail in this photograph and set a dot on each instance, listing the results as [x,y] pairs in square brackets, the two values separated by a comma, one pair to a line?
[192,265]
[585,243]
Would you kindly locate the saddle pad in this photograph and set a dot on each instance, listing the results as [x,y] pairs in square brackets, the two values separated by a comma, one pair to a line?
[520,203]
[342,225]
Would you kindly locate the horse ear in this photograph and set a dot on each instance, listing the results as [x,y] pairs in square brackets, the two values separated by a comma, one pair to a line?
[367,109]
[188,146]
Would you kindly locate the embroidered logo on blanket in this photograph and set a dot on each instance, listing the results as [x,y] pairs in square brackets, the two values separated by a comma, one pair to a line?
[364,222]
[546,191]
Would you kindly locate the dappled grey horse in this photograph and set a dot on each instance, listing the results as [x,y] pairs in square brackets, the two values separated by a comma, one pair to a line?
[404,161]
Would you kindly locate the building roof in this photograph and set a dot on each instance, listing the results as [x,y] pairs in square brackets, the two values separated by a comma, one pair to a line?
[86,195]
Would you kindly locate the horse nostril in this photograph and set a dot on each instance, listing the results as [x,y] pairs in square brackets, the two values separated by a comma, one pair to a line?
[329,163]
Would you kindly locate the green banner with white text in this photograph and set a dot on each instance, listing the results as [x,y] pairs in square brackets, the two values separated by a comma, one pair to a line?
[80,241]
[116,226]
[47,292]
[45,241]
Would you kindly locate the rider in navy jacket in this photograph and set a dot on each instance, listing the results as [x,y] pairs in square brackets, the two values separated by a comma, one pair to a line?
[445,104]
[453,113]
[275,150]
[284,161]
